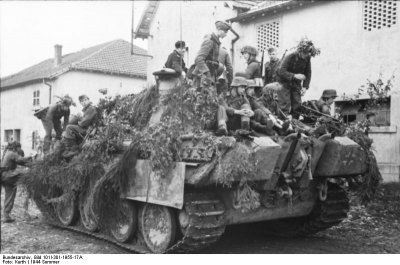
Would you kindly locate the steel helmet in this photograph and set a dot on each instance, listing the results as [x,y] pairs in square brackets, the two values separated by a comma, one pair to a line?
[329,93]
[239,81]
[250,50]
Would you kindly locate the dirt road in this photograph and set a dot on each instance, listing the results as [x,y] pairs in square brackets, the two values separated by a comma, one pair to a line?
[360,233]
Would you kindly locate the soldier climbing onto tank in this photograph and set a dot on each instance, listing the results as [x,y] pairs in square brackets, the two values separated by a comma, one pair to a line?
[253,69]
[75,133]
[206,61]
[175,59]
[294,73]
[234,110]
[271,66]
[51,119]
[12,157]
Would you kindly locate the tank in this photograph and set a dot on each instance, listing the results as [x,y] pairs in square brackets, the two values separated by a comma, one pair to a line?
[284,185]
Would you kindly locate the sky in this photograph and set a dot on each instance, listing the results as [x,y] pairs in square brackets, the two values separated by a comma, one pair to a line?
[30,29]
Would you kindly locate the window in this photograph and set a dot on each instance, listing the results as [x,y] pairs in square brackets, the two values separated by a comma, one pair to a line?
[379,14]
[36,97]
[12,135]
[268,35]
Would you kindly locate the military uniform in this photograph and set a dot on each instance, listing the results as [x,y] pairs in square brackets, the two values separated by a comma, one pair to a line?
[206,61]
[53,120]
[225,59]
[270,71]
[9,179]
[226,112]
[76,132]
[289,97]
[176,62]
[253,70]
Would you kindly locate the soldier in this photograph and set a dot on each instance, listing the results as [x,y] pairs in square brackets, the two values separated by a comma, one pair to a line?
[52,119]
[226,78]
[175,59]
[253,70]
[234,111]
[324,104]
[76,132]
[206,62]
[271,67]
[294,74]
[11,158]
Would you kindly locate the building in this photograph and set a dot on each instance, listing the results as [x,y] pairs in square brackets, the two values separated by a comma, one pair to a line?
[358,41]
[107,66]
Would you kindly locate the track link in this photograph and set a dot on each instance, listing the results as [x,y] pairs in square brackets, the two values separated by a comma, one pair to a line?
[325,214]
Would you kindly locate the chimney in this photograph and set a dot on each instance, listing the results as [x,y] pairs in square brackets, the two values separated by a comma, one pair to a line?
[57,54]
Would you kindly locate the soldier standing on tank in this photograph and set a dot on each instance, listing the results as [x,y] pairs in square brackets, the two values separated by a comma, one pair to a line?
[271,66]
[13,156]
[52,120]
[234,110]
[294,73]
[206,61]
[175,59]
[253,69]
[226,78]
[76,132]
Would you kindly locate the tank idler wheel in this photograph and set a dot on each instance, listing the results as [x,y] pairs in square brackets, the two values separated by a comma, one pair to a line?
[125,224]
[67,212]
[87,218]
[157,224]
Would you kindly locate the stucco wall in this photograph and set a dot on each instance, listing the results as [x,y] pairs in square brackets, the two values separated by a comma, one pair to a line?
[17,104]
[198,18]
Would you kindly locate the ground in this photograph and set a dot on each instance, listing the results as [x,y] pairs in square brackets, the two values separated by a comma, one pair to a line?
[372,229]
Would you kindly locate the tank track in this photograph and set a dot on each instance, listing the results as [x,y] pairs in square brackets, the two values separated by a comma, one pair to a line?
[206,225]
[325,214]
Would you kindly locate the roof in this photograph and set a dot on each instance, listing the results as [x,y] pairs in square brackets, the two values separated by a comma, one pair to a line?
[143,28]
[270,7]
[113,58]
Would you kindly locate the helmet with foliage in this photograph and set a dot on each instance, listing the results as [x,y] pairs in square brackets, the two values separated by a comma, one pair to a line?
[307,46]
[249,49]
[239,81]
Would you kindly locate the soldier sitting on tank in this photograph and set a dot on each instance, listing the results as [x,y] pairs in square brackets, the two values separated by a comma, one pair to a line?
[253,69]
[75,133]
[324,104]
[234,110]
[263,120]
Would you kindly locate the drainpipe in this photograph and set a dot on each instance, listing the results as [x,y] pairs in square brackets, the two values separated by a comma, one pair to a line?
[233,45]
[49,85]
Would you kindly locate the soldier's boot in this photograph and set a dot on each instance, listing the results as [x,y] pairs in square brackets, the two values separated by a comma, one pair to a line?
[222,129]
[245,123]
[7,218]
[70,148]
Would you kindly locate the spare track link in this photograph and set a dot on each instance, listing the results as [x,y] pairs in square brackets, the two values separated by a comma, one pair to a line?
[206,225]
[325,214]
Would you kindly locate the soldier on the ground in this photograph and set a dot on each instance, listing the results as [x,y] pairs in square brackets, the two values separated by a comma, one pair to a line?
[52,120]
[294,73]
[206,62]
[271,66]
[13,156]
[175,59]
[76,132]
[234,111]
[253,69]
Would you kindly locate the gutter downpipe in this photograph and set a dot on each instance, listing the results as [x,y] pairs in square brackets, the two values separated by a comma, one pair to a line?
[50,90]
[233,44]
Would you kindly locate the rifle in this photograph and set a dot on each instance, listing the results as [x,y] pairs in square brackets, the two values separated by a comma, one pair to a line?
[321,114]
[262,65]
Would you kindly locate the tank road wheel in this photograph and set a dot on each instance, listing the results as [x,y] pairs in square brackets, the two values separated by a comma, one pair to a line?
[158,226]
[87,218]
[125,225]
[67,211]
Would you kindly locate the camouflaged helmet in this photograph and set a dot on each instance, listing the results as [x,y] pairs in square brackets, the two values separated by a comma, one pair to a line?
[307,46]
[329,93]
[250,50]
[239,81]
